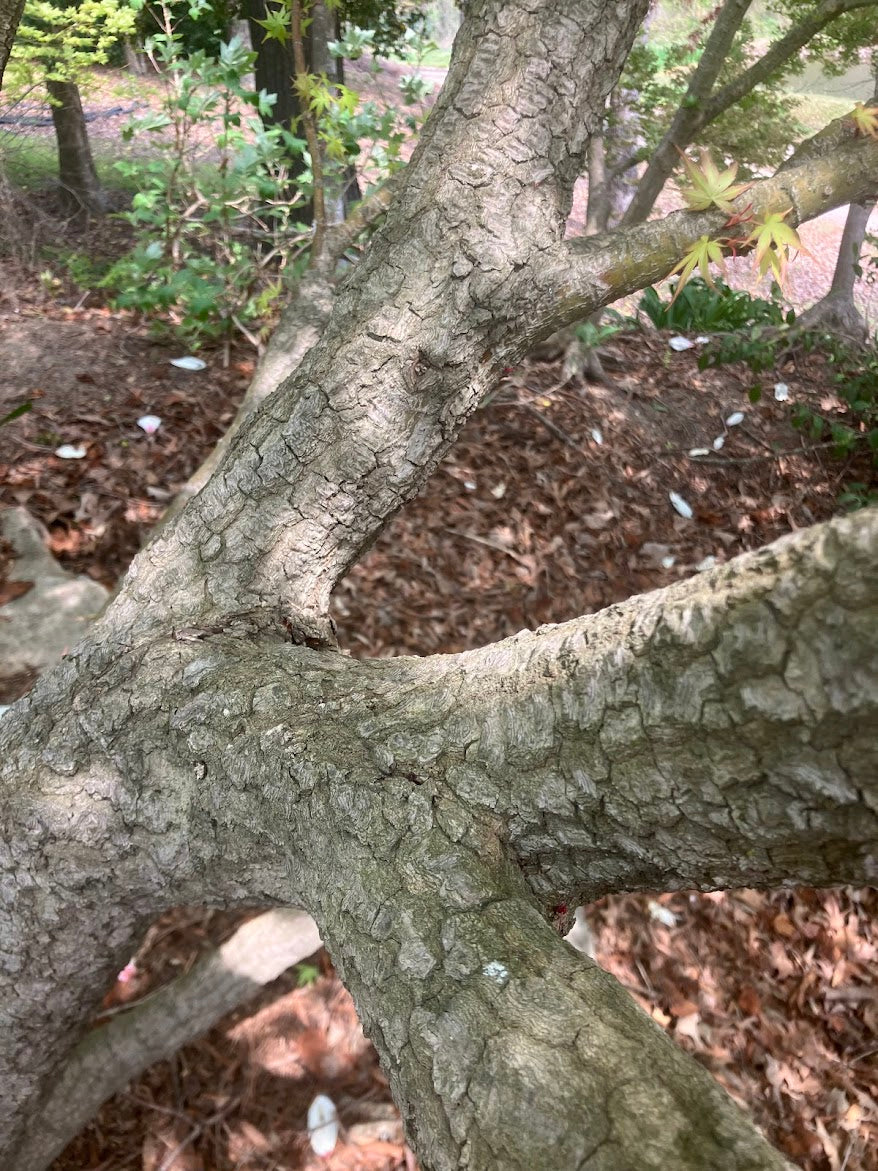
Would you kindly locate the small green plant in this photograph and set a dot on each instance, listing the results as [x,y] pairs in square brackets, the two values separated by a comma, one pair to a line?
[857,495]
[712,308]
[209,222]
[854,372]
[592,334]
[306,974]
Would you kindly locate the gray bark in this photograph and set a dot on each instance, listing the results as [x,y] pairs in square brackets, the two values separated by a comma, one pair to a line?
[77,174]
[428,812]
[10,15]
[205,744]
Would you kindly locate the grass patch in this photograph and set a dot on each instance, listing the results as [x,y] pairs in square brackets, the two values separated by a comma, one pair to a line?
[814,111]
[437,58]
[30,163]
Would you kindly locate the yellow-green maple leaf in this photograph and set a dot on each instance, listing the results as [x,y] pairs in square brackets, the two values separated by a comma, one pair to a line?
[865,119]
[701,255]
[711,187]
[772,238]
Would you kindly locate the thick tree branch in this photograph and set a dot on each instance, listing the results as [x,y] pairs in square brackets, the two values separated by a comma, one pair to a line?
[688,117]
[508,1050]
[415,339]
[187,751]
[302,321]
[714,733]
[778,54]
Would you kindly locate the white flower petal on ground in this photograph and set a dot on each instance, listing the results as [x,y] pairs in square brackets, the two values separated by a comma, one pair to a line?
[680,343]
[188,363]
[668,562]
[735,418]
[702,340]
[661,914]
[708,562]
[70,451]
[719,442]
[597,435]
[781,392]
[322,1125]
[695,452]
[680,505]
[149,423]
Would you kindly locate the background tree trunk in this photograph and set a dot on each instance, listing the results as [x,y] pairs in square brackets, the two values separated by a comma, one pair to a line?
[275,72]
[81,188]
[837,311]
[10,15]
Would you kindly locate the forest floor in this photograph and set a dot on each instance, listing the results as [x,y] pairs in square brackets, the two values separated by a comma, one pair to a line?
[553,503]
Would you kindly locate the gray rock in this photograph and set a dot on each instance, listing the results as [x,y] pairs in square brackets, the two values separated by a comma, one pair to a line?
[40,627]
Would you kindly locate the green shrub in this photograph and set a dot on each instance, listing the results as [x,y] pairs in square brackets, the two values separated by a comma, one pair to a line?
[216,209]
[711,309]
[212,223]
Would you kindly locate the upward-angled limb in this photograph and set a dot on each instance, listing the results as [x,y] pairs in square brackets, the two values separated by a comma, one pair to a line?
[703,103]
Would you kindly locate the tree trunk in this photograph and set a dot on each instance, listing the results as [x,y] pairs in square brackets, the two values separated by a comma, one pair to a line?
[206,743]
[10,15]
[78,177]
[837,311]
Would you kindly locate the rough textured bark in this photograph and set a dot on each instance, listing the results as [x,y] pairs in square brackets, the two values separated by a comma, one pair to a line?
[701,105]
[427,810]
[10,15]
[204,743]
[301,324]
[76,169]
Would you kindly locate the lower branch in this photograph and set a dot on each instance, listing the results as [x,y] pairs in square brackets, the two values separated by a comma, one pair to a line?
[505,1049]
[175,1014]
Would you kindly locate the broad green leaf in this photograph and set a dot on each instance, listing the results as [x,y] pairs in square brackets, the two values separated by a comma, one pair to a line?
[865,119]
